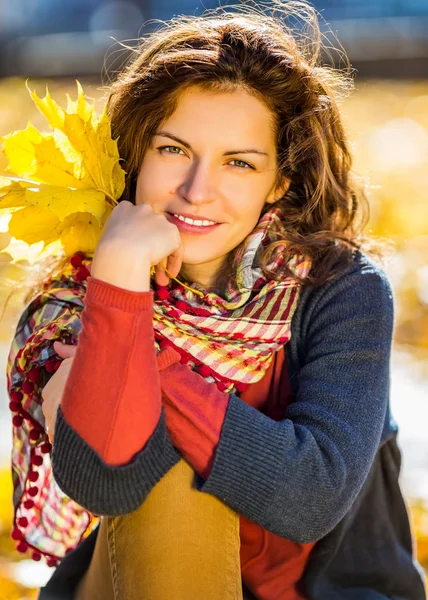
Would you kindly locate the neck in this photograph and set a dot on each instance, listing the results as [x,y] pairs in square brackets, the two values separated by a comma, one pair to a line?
[204,274]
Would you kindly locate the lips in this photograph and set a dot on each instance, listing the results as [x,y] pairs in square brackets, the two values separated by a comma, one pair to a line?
[183,216]
[190,227]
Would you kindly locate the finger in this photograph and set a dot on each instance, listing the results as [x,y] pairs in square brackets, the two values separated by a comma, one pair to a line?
[175,260]
[161,277]
[64,350]
[50,430]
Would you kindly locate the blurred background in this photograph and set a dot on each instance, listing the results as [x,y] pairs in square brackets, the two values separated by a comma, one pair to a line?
[55,42]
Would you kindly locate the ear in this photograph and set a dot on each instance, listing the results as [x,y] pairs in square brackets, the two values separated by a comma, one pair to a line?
[279,191]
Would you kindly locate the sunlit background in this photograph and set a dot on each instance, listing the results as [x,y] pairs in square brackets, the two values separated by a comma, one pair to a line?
[56,42]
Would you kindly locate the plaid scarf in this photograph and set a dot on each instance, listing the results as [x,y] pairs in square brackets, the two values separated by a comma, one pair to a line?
[232,340]
[229,341]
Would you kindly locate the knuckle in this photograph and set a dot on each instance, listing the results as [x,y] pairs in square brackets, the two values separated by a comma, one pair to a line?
[144,208]
[123,204]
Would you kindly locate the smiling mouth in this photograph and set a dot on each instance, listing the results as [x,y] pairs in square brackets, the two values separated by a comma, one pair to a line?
[195,222]
[192,226]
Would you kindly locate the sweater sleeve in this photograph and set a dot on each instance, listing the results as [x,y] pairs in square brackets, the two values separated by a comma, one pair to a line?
[298,477]
[195,412]
[111,444]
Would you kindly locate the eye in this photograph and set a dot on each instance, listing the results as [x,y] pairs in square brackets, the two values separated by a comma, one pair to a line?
[242,164]
[171,149]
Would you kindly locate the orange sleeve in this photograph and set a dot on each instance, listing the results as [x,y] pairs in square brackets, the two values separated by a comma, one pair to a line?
[194,410]
[112,397]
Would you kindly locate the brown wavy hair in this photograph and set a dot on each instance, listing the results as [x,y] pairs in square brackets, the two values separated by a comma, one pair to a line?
[324,210]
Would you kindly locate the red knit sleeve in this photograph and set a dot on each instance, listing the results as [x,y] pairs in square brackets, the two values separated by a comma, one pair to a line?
[195,410]
[112,396]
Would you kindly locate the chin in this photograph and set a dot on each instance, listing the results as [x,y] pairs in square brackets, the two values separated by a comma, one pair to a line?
[200,260]
[197,255]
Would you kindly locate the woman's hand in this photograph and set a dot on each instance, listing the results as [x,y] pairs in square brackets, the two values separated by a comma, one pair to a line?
[134,239]
[53,390]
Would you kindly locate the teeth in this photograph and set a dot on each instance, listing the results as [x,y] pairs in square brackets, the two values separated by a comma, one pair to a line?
[194,222]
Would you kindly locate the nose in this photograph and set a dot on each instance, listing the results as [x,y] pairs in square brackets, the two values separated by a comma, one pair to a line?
[198,187]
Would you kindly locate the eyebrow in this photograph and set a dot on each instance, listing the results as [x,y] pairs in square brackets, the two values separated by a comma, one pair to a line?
[229,153]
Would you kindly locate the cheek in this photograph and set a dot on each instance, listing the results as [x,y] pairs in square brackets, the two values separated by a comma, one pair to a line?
[151,185]
[156,181]
[246,205]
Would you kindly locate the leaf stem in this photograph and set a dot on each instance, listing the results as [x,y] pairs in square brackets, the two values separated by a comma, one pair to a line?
[115,202]
[198,292]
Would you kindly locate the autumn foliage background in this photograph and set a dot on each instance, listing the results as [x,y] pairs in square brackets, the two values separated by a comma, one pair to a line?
[387,122]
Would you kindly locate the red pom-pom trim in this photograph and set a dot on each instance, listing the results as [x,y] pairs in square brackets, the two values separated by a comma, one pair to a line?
[16,396]
[17,420]
[22,547]
[76,260]
[241,387]
[222,385]
[163,293]
[27,387]
[165,343]
[34,375]
[29,504]
[204,370]
[37,460]
[50,366]
[14,406]
[23,522]
[17,535]
[36,556]
[46,447]
[33,491]
[52,562]
[33,476]
[82,274]
[34,435]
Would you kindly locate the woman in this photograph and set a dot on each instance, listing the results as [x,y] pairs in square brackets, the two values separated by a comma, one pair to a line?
[262,381]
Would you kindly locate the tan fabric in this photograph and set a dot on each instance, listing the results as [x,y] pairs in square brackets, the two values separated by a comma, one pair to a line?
[97,583]
[181,544]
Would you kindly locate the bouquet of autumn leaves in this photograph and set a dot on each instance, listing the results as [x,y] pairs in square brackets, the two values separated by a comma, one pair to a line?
[64,183]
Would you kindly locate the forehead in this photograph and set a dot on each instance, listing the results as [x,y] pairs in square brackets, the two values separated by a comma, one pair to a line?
[231,117]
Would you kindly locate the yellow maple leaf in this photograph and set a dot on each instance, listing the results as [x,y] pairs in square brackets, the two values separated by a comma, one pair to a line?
[66,181]
[19,150]
[90,137]
[37,156]
[49,108]
[65,201]
[80,231]
[80,106]
[117,176]
[12,194]
[34,224]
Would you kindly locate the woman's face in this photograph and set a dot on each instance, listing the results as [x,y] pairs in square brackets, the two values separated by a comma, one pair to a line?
[213,160]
